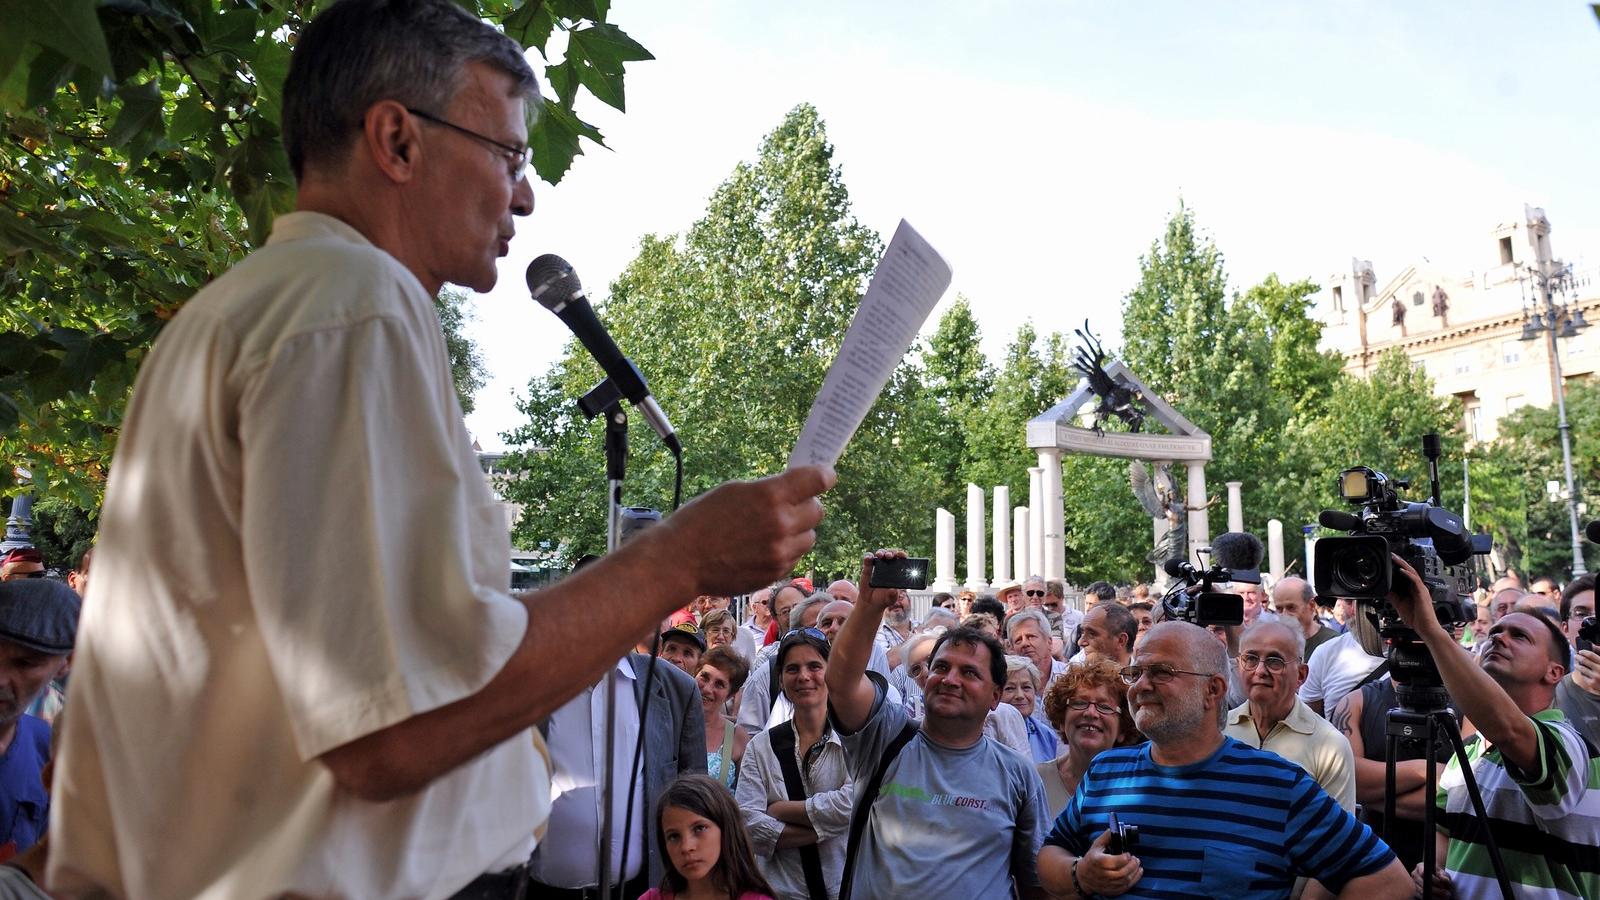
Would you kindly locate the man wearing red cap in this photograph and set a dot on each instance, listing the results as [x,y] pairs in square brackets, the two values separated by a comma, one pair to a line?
[23,562]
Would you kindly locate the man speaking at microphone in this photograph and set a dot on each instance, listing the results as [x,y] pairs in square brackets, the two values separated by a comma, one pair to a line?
[300,672]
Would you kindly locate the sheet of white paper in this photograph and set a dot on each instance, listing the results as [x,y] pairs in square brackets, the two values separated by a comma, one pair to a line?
[908,282]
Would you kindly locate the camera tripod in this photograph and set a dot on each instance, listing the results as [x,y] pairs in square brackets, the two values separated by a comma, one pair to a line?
[1428,727]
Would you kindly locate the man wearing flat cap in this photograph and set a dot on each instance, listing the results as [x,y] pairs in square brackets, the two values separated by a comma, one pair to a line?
[38,623]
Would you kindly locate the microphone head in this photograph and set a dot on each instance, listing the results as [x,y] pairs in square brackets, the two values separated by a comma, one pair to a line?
[1339,520]
[1237,550]
[1592,531]
[1173,567]
[552,281]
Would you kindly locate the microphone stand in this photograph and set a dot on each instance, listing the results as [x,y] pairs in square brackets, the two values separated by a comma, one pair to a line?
[607,399]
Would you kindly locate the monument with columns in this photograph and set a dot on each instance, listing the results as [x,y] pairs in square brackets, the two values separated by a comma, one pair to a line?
[1055,431]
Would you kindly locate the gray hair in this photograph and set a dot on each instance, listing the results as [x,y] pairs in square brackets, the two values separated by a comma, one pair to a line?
[359,52]
[797,614]
[1015,663]
[912,643]
[940,613]
[1297,635]
[1029,614]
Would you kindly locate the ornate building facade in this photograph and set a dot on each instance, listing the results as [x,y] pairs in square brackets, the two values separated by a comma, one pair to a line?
[1471,330]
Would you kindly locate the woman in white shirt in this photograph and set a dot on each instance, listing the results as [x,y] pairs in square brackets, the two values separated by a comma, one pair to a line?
[799,843]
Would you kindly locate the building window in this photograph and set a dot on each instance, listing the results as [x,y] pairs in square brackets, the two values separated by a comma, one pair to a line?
[1338,298]
[1474,422]
[1511,352]
[1416,299]
[1505,251]
[1463,361]
[1515,402]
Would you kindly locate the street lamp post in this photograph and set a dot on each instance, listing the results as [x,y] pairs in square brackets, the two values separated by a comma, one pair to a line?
[1551,320]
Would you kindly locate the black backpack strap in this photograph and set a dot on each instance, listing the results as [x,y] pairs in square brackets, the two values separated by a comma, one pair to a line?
[865,801]
[774,685]
[1374,675]
[783,747]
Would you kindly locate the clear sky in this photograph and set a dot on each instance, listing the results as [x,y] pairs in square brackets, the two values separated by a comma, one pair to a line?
[1042,146]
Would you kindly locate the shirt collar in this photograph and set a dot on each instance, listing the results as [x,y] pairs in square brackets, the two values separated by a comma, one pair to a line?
[1300,718]
[305,224]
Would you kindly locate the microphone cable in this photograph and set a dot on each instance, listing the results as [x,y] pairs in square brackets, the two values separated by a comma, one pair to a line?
[634,773]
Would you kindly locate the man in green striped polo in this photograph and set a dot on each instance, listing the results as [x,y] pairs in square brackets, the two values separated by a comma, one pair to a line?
[1539,779]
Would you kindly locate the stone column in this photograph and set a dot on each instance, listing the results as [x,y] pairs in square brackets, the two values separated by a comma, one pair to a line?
[1002,533]
[1235,506]
[1035,523]
[1275,548]
[975,579]
[1021,539]
[1054,561]
[944,552]
[1199,522]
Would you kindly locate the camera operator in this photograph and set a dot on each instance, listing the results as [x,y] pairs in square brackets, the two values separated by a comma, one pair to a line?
[1538,779]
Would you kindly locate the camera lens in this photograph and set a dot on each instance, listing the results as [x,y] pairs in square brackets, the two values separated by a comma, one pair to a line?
[1359,570]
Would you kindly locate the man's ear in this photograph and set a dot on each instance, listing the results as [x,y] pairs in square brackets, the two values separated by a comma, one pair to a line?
[390,139]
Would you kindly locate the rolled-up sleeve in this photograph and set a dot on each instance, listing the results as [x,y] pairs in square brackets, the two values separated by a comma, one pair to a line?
[829,811]
[754,794]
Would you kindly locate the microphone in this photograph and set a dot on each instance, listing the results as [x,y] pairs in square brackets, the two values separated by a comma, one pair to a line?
[1592,531]
[1338,520]
[556,287]
[1176,568]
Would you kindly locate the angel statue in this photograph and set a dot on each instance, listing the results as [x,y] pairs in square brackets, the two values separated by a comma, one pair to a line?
[1159,497]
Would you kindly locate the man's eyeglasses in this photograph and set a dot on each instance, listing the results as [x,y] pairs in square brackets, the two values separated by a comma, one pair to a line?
[1034,593]
[517,158]
[1274,664]
[1081,705]
[1159,673]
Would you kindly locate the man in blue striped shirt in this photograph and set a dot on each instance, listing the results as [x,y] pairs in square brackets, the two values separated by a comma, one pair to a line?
[1216,817]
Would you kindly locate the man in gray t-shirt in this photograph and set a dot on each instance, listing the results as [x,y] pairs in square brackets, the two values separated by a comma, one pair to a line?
[956,813]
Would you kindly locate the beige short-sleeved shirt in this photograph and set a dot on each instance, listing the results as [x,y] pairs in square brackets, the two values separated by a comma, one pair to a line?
[1307,740]
[297,549]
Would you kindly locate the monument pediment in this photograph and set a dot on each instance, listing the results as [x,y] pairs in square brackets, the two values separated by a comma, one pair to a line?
[1054,429]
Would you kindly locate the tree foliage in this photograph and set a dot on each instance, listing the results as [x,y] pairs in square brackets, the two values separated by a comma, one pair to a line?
[1510,477]
[142,156]
[735,323]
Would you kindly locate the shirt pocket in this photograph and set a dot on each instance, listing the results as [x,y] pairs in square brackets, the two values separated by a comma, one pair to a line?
[1228,872]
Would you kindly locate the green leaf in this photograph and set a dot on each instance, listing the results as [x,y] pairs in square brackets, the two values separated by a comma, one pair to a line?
[609,44]
[70,27]
[563,78]
[141,111]
[191,118]
[530,25]
[577,9]
[555,142]
[14,39]
[263,205]
[46,74]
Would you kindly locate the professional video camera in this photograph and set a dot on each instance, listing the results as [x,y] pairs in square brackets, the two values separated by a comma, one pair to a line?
[1431,539]
[1205,606]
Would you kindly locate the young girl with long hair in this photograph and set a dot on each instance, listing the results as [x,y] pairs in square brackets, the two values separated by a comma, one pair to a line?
[707,851]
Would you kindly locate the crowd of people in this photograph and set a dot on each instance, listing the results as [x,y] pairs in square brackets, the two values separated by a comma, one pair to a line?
[299,670]
[810,743]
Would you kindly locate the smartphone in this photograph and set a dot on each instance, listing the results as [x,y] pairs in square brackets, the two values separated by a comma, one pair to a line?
[909,574]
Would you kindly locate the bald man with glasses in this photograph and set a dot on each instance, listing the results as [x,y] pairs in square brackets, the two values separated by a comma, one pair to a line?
[1272,665]
[1200,833]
